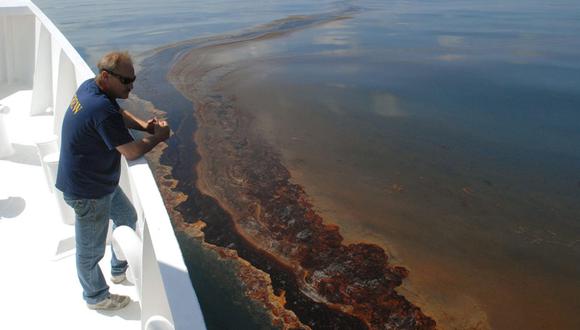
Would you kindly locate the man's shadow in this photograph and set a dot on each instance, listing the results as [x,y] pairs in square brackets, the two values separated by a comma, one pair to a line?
[11,207]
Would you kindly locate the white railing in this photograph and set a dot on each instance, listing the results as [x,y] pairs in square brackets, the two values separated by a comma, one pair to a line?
[54,73]
[164,274]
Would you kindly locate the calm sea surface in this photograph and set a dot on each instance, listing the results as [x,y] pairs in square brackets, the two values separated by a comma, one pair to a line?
[448,132]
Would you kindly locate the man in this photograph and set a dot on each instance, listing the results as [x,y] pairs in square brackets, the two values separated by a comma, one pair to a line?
[94,136]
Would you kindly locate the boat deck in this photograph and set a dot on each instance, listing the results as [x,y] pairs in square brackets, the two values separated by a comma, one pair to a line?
[39,288]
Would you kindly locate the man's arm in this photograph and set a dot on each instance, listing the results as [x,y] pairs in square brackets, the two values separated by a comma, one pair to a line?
[136,149]
[132,122]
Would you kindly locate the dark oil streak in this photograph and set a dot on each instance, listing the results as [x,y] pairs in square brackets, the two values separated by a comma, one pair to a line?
[182,156]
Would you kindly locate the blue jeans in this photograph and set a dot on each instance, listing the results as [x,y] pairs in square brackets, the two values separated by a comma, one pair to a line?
[91,227]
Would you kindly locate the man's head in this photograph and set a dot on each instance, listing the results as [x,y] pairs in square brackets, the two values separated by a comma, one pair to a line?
[116,74]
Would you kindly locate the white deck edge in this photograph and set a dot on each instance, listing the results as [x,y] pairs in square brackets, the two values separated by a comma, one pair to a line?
[167,288]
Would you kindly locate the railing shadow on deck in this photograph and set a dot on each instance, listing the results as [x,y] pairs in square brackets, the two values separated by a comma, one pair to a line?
[24,154]
[12,207]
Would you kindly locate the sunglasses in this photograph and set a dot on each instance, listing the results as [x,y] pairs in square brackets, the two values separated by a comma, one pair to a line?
[122,79]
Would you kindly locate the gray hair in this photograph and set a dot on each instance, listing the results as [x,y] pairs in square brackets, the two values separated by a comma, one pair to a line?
[112,60]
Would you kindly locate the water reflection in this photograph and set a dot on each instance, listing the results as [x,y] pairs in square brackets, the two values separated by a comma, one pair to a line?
[443,164]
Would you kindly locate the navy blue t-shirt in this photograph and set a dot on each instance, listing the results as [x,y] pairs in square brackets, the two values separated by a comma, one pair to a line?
[89,165]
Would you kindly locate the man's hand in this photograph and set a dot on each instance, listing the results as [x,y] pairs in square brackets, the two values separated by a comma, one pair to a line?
[161,129]
[150,125]
[136,149]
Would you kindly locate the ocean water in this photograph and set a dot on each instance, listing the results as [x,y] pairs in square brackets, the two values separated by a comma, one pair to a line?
[447,132]
[138,26]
